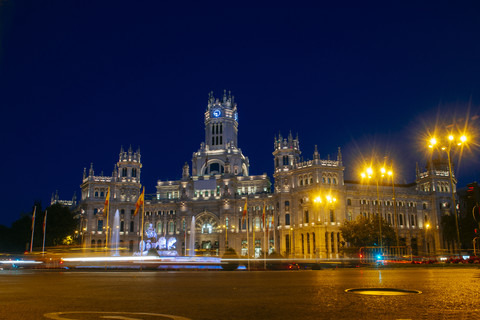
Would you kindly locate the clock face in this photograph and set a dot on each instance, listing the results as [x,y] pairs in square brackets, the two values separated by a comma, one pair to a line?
[235,116]
[217,113]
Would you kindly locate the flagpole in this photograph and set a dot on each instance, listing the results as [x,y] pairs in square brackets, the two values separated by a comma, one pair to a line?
[44,231]
[33,227]
[253,236]
[265,246]
[273,227]
[108,211]
[143,217]
[248,244]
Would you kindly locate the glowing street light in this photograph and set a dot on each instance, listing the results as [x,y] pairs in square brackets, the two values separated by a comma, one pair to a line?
[447,147]
[369,172]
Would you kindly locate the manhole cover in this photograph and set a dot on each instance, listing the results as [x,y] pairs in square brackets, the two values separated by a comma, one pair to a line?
[383,291]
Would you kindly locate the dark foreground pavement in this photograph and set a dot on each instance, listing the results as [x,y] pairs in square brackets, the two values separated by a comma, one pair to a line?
[447,293]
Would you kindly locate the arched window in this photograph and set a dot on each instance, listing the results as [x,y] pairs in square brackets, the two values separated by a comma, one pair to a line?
[287,205]
[349,202]
[95,211]
[131,226]
[134,172]
[159,227]
[122,211]
[334,181]
[306,216]
[332,215]
[124,172]
[287,219]
[207,228]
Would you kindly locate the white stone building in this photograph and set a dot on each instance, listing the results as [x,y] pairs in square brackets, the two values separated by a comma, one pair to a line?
[309,202]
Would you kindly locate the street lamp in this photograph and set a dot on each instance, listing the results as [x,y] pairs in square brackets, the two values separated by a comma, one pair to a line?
[427,247]
[330,201]
[447,147]
[368,173]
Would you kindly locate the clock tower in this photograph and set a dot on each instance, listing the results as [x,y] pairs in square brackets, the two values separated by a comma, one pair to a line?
[220,147]
[221,122]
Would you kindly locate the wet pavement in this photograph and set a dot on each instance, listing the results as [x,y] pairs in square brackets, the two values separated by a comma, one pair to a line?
[446,293]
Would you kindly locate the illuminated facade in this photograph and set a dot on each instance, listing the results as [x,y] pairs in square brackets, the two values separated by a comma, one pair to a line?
[308,204]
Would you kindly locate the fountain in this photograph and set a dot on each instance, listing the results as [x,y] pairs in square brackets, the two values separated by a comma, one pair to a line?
[115,239]
[192,238]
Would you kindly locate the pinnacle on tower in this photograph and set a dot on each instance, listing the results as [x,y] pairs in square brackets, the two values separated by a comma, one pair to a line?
[339,155]
[316,155]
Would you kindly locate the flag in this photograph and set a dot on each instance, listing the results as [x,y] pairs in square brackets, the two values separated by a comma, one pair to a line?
[107,201]
[139,203]
[244,214]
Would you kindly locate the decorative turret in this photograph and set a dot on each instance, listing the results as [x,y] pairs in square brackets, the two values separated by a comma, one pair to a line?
[287,152]
[339,156]
[316,154]
[186,171]
[128,166]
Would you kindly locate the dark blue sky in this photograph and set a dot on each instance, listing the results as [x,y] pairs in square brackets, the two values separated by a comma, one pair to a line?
[78,79]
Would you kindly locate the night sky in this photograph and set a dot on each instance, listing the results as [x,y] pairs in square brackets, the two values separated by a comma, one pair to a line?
[79,79]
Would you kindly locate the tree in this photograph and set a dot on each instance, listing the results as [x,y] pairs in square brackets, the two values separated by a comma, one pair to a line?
[60,225]
[364,232]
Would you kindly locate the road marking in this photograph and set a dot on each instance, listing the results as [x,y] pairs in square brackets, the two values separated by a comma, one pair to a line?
[110,315]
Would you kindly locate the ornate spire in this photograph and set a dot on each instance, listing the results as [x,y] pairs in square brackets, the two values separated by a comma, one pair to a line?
[90,172]
[316,155]
[185,171]
[339,155]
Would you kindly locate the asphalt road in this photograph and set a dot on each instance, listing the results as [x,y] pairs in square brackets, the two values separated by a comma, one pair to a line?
[447,293]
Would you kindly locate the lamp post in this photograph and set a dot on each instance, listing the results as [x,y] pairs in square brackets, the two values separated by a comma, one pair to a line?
[329,201]
[369,173]
[395,222]
[427,248]
[451,141]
